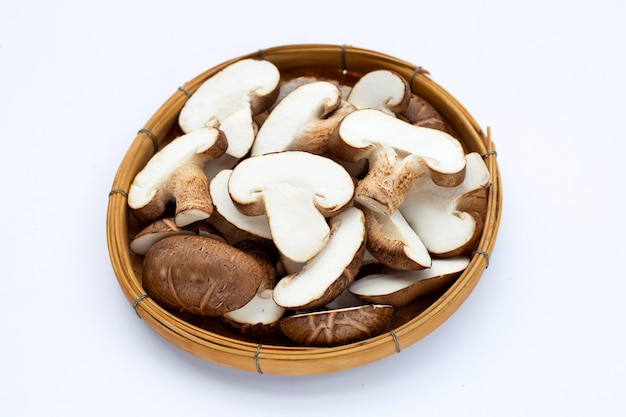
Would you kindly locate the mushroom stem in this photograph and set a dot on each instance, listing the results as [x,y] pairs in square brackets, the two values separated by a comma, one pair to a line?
[190,188]
[386,186]
[377,190]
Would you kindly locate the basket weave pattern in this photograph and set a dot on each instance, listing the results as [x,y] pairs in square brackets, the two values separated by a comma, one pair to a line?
[343,63]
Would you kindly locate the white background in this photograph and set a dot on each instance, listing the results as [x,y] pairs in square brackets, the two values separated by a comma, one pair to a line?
[541,335]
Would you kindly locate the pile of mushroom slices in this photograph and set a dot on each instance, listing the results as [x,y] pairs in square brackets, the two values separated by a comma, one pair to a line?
[303,206]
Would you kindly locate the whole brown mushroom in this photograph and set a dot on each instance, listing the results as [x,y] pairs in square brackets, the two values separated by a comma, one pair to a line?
[200,275]
[337,327]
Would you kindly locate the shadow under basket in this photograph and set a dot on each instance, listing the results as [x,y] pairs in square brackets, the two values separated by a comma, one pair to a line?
[211,339]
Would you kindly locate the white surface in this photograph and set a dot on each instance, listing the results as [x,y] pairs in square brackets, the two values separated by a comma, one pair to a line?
[542,334]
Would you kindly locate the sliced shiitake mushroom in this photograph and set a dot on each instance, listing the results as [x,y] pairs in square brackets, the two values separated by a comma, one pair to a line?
[165,227]
[230,99]
[398,153]
[434,212]
[399,288]
[331,271]
[382,90]
[297,191]
[175,173]
[392,241]
[257,226]
[299,118]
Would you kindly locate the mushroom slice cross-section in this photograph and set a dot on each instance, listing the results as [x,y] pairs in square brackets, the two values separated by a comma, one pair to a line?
[288,84]
[176,173]
[298,116]
[297,191]
[255,225]
[165,227]
[433,211]
[229,100]
[331,271]
[398,153]
[399,288]
[259,317]
[382,90]
[154,232]
[393,242]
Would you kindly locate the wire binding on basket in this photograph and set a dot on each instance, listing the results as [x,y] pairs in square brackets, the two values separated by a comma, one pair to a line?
[137,301]
[261,54]
[485,254]
[344,66]
[118,191]
[418,69]
[490,152]
[395,340]
[489,144]
[148,132]
[256,359]
[184,90]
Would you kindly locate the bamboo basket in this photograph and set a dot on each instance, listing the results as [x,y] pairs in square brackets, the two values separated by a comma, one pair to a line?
[214,342]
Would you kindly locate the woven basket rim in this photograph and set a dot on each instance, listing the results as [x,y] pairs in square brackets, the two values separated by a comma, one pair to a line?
[293,360]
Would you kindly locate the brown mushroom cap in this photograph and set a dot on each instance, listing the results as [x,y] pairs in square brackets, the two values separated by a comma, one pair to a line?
[337,327]
[200,275]
[422,113]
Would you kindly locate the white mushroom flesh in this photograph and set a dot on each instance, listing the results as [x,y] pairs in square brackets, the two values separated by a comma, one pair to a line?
[438,150]
[391,282]
[382,90]
[314,279]
[396,228]
[162,177]
[299,109]
[228,100]
[262,309]
[256,225]
[296,191]
[432,211]
[381,138]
